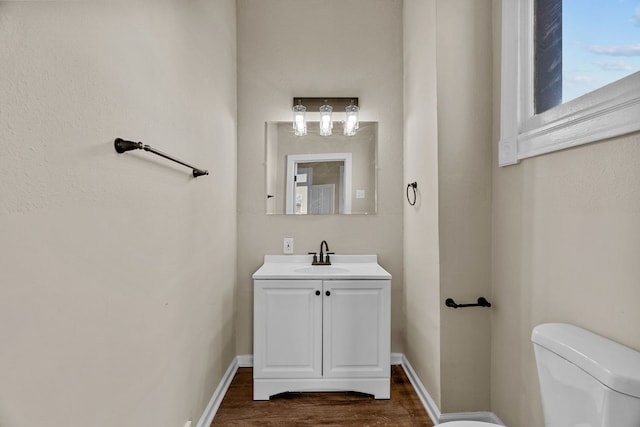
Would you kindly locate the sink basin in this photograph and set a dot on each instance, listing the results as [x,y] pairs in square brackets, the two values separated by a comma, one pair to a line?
[321,269]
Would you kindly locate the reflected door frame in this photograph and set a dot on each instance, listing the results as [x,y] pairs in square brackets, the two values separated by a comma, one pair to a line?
[292,165]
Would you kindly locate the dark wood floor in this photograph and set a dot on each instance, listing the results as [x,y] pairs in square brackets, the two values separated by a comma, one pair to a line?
[321,409]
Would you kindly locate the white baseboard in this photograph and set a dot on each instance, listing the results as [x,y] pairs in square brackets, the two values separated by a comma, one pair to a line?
[429,404]
[487,417]
[246,361]
[214,403]
[396,358]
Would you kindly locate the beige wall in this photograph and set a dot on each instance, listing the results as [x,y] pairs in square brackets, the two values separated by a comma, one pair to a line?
[118,304]
[565,250]
[564,226]
[463,59]
[421,242]
[290,48]
[448,234]
[118,270]
[566,239]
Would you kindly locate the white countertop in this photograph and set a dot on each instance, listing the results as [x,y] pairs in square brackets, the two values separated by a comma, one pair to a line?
[342,267]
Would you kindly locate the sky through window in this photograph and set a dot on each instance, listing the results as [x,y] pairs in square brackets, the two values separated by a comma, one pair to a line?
[600,43]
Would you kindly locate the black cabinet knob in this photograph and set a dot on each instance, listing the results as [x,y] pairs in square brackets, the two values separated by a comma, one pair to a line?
[317,292]
[327,293]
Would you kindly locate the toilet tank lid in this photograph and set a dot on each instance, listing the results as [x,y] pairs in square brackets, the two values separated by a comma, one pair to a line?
[611,363]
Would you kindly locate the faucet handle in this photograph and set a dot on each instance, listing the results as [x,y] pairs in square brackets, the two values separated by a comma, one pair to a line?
[315,257]
[327,260]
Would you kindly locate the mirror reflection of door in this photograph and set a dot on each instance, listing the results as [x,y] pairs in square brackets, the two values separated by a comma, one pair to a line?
[321,199]
[303,178]
[319,184]
[316,185]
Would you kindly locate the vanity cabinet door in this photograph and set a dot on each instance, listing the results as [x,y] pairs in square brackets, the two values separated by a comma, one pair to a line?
[357,323]
[287,329]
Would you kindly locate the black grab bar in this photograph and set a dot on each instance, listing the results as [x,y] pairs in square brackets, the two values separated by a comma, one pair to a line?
[482,302]
[122,145]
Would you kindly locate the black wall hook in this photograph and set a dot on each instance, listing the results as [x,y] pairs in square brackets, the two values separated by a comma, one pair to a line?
[482,302]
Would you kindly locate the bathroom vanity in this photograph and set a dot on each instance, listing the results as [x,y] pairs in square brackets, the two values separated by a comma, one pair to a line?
[321,328]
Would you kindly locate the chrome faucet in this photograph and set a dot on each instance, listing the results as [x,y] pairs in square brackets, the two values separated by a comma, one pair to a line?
[322,260]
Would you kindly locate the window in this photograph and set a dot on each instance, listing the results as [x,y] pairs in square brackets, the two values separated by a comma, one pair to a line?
[565,80]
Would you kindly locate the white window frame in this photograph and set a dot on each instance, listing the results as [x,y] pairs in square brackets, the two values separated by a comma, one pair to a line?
[607,112]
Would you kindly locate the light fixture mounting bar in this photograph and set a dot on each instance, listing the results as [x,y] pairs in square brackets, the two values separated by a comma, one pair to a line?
[314,104]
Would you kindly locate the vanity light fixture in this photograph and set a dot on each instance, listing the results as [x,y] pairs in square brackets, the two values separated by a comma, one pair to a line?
[299,121]
[326,107]
[351,124]
[326,124]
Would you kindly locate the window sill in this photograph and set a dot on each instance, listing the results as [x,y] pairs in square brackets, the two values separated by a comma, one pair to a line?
[605,113]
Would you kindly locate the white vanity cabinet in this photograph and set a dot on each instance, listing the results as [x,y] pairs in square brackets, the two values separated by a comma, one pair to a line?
[356,329]
[329,332]
[287,329]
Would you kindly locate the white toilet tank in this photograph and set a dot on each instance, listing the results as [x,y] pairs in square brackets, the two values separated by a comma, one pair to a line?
[586,380]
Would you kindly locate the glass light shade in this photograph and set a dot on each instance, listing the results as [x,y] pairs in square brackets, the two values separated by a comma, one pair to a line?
[326,124]
[299,121]
[351,124]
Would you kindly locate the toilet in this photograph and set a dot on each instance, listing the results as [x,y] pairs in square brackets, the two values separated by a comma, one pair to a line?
[585,379]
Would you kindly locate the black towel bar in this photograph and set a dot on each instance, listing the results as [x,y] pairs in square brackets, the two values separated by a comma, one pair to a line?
[122,145]
[482,302]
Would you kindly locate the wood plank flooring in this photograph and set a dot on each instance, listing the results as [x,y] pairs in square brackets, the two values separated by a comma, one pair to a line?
[321,409]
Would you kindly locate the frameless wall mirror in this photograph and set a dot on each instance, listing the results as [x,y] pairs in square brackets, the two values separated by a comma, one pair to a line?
[320,175]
